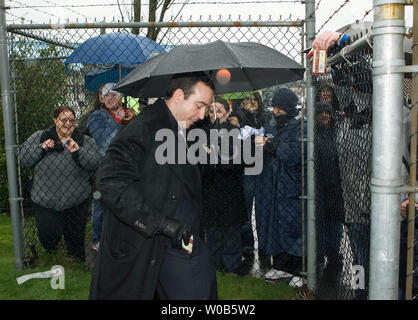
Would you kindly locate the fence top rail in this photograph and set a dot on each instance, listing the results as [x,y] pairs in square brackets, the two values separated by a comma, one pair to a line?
[188,24]
[356,46]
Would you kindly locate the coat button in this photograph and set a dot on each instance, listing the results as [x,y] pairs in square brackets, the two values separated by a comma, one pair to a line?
[139,224]
[173,197]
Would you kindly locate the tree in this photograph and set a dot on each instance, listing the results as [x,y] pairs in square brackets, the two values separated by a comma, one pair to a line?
[154,6]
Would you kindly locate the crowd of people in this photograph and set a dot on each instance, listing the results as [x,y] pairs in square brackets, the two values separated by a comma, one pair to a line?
[343,139]
[163,230]
[228,195]
[64,159]
[241,210]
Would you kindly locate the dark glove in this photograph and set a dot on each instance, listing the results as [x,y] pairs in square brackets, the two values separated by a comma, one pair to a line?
[176,231]
[271,145]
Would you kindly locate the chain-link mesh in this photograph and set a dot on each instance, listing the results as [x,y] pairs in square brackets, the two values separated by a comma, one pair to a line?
[342,176]
[252,224]
[343,140]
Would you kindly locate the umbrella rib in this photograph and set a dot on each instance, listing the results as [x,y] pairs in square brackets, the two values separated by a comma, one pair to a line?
[165,56]
[248,79]
[238,63]
[232,54]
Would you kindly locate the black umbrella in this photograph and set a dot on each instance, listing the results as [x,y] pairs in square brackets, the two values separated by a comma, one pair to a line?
[251,66]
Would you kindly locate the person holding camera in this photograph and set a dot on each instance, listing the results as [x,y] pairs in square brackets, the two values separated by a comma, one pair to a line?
[62,160]
[278,189]
[104,124]
[222,190]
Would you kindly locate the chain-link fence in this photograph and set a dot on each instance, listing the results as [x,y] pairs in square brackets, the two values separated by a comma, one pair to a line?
[252,224]
[343,144]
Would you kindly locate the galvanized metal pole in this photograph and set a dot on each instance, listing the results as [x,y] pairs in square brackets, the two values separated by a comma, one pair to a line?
[310,106]
[388,59]
[10,145]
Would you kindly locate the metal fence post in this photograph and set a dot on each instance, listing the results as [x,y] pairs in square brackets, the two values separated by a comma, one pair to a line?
[10,144]
[310,106]
[388,59]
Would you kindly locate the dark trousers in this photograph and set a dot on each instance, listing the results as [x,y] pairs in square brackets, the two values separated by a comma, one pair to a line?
[224,244]
[329,235]
[247,229]
[188,277]
[70,223]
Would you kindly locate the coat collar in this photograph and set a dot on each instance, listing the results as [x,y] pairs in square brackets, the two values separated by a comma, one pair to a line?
[168,121]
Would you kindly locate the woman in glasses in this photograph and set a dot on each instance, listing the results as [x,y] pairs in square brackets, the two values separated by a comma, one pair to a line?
[62,160]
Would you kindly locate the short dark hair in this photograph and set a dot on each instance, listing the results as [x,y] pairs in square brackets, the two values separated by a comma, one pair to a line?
[61,109]
[97,104]
[223,102]
[257,97]
[186,82]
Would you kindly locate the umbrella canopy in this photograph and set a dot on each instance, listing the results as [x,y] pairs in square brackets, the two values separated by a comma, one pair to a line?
[116,47]
[105,74]
[251,66]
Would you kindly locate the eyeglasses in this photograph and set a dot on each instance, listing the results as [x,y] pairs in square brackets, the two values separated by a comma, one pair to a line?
[218,110]
[112,95]
[71,121]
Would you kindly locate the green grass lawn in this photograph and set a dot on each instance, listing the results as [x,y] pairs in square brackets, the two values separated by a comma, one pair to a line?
[77,279]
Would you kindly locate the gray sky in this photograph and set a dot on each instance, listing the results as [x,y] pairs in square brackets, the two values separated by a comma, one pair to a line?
[45,11]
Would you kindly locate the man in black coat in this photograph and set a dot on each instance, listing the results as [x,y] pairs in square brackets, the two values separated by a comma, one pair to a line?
[155,204]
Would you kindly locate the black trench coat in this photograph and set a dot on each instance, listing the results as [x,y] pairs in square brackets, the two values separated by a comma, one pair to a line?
[139,193]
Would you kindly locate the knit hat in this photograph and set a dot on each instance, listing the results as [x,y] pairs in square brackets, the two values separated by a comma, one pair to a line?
[285,99]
